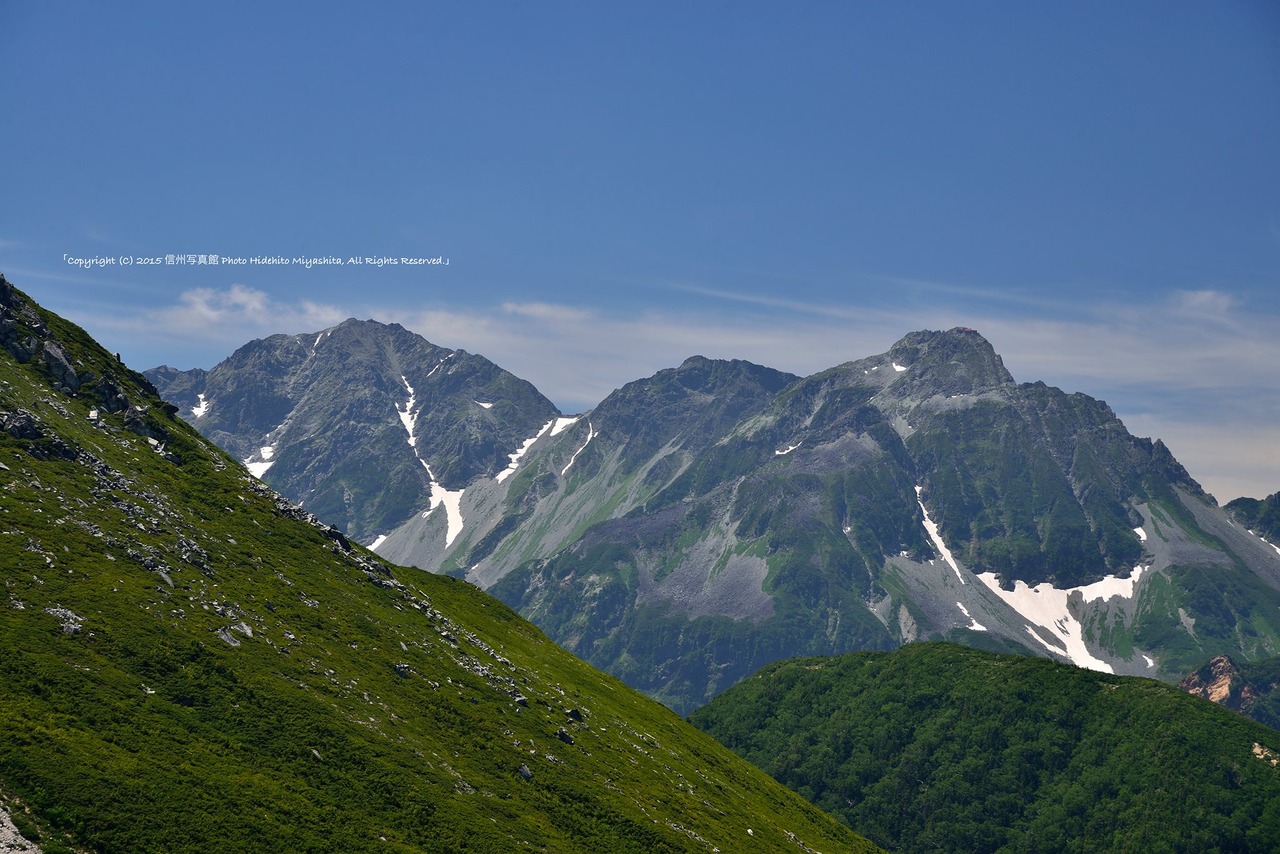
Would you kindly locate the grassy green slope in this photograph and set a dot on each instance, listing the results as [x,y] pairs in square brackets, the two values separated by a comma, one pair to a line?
[941,747]
[186,663]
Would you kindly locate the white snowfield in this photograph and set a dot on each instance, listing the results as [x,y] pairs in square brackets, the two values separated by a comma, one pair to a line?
[1265,540]
[452,501]
[1046,606]
[199,411]
[408,417]
[787,450]
[564,423]
[259,467]
[440,364]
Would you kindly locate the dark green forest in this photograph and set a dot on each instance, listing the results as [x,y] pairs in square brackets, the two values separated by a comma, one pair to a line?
[941,747]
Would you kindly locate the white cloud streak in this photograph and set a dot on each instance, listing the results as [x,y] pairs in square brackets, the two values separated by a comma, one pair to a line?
[220,317]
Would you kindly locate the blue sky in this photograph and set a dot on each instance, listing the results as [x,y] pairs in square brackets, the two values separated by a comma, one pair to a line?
[1094,186]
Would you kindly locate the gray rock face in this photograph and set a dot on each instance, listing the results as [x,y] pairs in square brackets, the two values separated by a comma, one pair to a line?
[59,368]
[11,841]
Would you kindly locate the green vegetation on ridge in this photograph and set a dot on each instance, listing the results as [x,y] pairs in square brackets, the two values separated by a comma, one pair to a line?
[1262,517]
[940,747]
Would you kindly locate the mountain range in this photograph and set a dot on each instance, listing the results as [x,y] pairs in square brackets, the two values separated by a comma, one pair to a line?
[719,515]
[190,662]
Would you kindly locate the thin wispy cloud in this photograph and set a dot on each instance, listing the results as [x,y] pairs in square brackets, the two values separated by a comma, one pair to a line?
[231,315]
[1205,304]
[791,305]
[547,311]
[1203,341]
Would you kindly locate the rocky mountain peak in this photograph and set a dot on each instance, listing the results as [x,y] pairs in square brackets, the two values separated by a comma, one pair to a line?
[958,361]
[330,418]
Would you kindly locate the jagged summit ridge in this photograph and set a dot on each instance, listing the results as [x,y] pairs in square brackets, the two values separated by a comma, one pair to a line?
[322,417]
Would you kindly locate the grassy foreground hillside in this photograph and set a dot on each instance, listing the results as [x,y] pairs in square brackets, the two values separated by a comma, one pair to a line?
[936,747]
[188,663]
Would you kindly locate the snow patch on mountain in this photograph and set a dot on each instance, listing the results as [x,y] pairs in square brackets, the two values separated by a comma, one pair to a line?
[265,460]
[483,405]
[973,624]
[787,450]
[373,547]
[932,529]
[439,365]
[591,434]
[1265,540]
[1142,535]
[563,424]
[520,452]
[450,498]
[899,368]
[408,417]
[452,501]
[1048,608]
[198,411]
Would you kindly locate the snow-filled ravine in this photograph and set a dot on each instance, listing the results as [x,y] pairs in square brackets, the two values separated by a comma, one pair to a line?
[591,434]
[450,498]
[452,501]
[974,625]
[1046,606]
[520,452]
[932,528]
